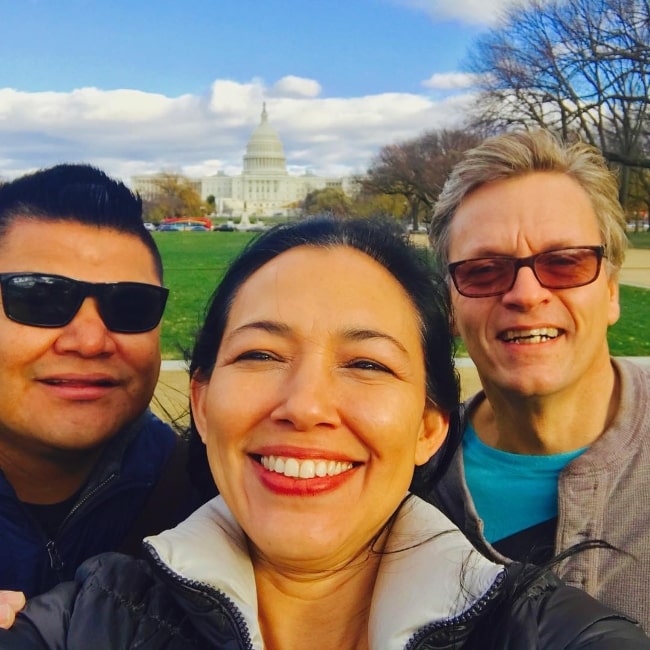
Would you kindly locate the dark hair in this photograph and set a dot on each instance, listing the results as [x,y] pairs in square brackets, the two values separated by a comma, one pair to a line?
[385,242]
[79,193]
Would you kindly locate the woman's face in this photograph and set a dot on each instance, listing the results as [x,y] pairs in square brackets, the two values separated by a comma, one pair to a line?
[316,412]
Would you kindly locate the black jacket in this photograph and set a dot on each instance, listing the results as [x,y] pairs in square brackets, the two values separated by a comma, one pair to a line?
[117,602]
[113,500]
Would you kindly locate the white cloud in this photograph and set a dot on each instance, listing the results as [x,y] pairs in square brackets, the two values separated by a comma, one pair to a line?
[232,100]
[451,81]
[129,132]
[481,12]
[292,86]
[86,104]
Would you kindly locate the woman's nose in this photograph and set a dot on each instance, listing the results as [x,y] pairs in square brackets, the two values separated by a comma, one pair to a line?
[309,396]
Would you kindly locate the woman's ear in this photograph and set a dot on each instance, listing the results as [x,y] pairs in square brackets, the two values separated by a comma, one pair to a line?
[198,402]
[434,431]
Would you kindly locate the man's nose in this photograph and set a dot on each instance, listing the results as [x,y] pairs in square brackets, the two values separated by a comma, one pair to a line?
[86,334]
[526,290]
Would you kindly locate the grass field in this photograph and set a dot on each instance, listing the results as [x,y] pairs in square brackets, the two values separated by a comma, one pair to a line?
[630,337]
[195,261]
[639,239]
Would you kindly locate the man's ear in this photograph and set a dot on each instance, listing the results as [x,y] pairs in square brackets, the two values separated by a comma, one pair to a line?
[198,402]
[433,432]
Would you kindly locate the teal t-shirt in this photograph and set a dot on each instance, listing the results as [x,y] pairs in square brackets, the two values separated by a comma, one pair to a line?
[511,492]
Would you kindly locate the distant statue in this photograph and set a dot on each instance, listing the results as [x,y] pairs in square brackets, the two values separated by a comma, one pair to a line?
[244,222]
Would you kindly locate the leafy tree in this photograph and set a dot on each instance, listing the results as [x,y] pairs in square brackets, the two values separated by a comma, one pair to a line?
[331,200]
[580,67]
[211,202]
[415,170]
[176,196]
[369,204]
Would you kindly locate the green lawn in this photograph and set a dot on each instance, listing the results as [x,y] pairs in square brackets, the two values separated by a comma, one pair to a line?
[639,239]
[195,261]
[630,337]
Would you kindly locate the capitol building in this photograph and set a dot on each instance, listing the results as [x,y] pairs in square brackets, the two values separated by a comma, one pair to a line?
[264,188]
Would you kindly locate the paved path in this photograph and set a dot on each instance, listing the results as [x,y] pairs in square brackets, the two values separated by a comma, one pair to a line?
[170,399]
[636,270]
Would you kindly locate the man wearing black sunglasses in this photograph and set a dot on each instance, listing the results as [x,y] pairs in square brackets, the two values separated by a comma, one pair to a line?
[82,299]
[556,447]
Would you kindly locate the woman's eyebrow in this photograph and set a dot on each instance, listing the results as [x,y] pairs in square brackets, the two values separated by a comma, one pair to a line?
[363,334]
[273,327]
[350,334]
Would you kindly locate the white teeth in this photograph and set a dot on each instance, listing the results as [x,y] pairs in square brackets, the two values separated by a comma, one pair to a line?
[296,468]
[291,467]
[536,335]
[307,469]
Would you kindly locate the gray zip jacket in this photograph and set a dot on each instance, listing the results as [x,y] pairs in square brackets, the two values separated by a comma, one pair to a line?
[603,494]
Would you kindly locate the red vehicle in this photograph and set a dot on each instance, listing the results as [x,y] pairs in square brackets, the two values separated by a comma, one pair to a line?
[186,223]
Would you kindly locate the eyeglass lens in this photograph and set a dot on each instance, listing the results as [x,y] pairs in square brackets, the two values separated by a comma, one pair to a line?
[52,301]
[559,269]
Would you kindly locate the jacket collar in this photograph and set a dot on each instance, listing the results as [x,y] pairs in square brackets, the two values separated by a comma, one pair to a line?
[429,568]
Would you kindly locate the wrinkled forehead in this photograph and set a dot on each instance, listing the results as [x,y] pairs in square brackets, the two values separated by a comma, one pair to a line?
[523,215]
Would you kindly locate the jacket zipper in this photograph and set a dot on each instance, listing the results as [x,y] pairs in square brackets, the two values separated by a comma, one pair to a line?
[458,621]
[56,563]
[229,608]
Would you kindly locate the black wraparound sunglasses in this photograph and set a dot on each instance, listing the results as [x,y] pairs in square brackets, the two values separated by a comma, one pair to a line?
[43,300]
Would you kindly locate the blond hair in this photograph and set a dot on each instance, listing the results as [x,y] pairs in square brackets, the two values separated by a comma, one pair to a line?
[523,152]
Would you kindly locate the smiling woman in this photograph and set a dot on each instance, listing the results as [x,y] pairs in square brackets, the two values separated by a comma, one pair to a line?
[322,377]
[342,386]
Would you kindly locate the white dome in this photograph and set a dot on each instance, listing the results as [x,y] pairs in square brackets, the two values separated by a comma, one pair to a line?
[264,151]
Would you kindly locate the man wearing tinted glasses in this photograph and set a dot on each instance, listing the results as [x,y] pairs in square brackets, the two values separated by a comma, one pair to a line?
[82,298]
[556,447]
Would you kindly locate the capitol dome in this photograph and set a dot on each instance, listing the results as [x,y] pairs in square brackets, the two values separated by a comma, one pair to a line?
[263,189]
[264,152]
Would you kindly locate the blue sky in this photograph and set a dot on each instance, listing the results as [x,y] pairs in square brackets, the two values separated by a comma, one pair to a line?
[141,86]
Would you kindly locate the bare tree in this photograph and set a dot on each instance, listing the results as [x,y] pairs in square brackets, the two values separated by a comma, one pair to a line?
[580,67]
[417,169]
[639,198]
